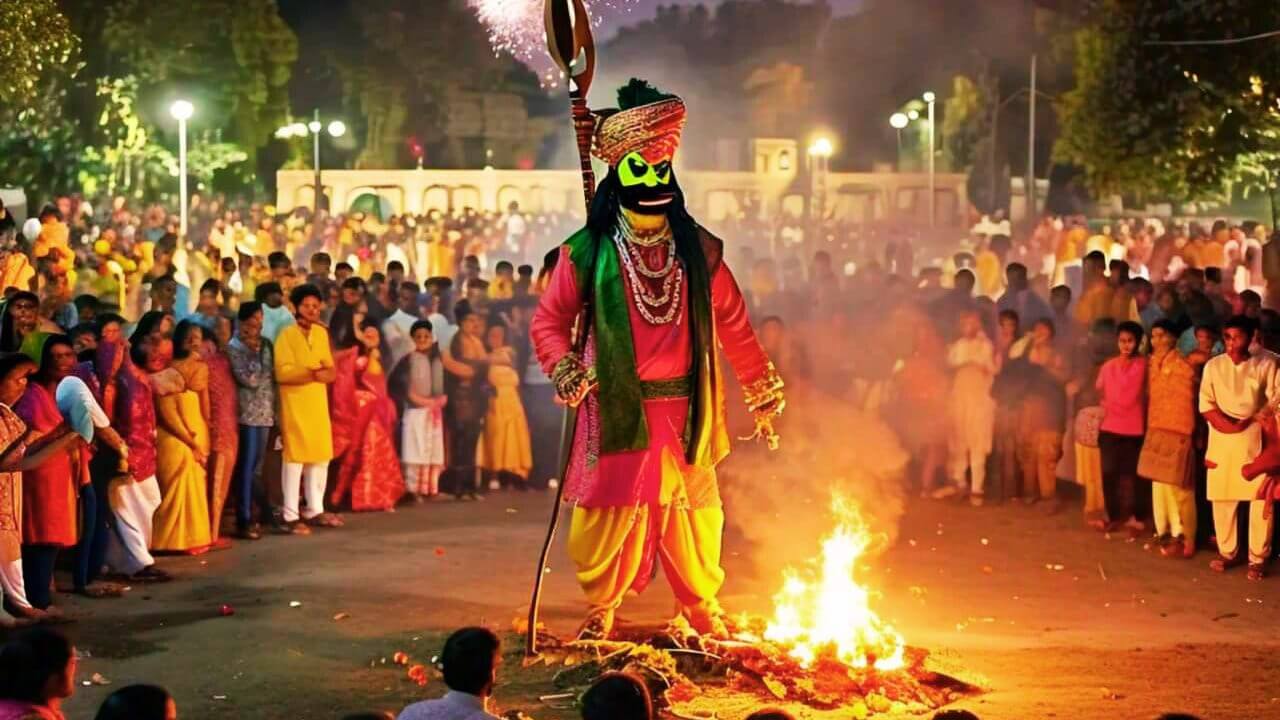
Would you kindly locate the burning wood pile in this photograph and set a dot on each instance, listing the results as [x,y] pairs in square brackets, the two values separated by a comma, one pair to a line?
[824,651]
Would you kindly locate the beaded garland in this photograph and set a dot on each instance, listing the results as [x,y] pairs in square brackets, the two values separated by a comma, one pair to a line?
[671,275]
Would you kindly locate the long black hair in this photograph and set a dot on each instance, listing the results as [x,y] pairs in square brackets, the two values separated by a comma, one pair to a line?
[180,334]
[9,340]
[342,327]
[147,324]
[602,221]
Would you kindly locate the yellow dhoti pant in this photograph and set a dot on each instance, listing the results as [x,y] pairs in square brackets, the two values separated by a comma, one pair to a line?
[614,549]
[1089,474]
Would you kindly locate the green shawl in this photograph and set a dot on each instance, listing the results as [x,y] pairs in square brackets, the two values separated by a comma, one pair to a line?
[622,419]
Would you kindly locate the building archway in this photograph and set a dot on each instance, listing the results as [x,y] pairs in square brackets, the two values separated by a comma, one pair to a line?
[392,194]
[435,197]
[466,196]
[305,195]
[508,194]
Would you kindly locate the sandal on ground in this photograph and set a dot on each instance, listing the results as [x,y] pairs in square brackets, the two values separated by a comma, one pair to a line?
[1099,525]
[151,574]
[1222,564]
[1257,571]
[325,520]
[297,527]
[98,591]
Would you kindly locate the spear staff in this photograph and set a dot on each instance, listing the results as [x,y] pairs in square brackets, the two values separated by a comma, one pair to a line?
[572,48]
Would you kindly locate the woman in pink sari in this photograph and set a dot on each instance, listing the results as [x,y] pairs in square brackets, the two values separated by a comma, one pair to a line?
[363,417]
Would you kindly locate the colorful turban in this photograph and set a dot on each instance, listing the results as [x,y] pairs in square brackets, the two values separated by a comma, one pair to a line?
[653,130]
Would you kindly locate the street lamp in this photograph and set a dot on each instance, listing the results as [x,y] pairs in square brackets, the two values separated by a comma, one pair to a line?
[335,128]
[930,98]
[898,121]
[820,150]
[182,110]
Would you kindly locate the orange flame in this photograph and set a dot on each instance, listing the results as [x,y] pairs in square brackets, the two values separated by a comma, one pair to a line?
[825,612]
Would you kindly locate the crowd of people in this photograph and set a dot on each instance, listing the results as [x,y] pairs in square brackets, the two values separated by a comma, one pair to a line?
[278,368]
[1136,361]
[135,416]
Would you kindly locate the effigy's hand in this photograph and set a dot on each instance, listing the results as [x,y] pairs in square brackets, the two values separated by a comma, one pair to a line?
[573,380]
[766,401]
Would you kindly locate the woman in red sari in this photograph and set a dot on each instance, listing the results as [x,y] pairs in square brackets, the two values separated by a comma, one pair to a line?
[49,490]
[363,416]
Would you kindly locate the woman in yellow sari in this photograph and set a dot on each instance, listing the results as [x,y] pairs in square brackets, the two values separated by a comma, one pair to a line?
[506,454]
[182,450]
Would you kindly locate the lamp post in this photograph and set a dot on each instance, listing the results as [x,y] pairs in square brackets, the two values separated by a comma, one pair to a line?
[930,98]
[898,121]
[182,110]
[820,151]
[335,128]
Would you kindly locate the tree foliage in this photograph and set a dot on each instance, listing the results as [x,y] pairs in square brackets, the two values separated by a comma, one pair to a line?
[373,62]
[964,121]
[37,48]
[1174,120]
[233,58]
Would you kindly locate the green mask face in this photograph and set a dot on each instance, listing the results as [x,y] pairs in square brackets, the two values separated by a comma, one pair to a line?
[633,170]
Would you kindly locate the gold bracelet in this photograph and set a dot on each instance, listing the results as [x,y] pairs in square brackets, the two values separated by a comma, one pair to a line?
[765,392]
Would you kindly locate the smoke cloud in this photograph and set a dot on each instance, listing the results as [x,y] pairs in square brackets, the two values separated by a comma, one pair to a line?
[780,502]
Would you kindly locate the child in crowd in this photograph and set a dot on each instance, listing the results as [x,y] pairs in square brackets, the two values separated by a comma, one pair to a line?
[418,382]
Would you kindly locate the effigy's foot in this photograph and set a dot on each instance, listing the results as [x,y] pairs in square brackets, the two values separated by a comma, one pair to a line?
[597,626]
[707,619]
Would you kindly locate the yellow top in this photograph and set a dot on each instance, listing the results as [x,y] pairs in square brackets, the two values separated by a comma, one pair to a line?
[304,401]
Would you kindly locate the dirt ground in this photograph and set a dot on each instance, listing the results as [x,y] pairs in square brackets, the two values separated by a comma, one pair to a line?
[1117,632]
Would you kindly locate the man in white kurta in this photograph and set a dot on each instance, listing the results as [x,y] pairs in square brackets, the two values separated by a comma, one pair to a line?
[397,329]
[1235,388]
[971,409]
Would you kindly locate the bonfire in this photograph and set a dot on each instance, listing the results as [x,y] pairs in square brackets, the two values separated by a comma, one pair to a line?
[823,648]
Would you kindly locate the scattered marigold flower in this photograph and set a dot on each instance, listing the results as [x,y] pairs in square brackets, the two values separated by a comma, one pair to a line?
[400,658]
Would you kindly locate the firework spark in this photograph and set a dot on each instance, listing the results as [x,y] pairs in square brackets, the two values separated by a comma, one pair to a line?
[516,28]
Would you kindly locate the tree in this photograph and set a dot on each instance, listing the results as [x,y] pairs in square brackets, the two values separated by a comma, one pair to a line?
[963,121]
[36,47]
[234,63]
[39,55]
[1172,100]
